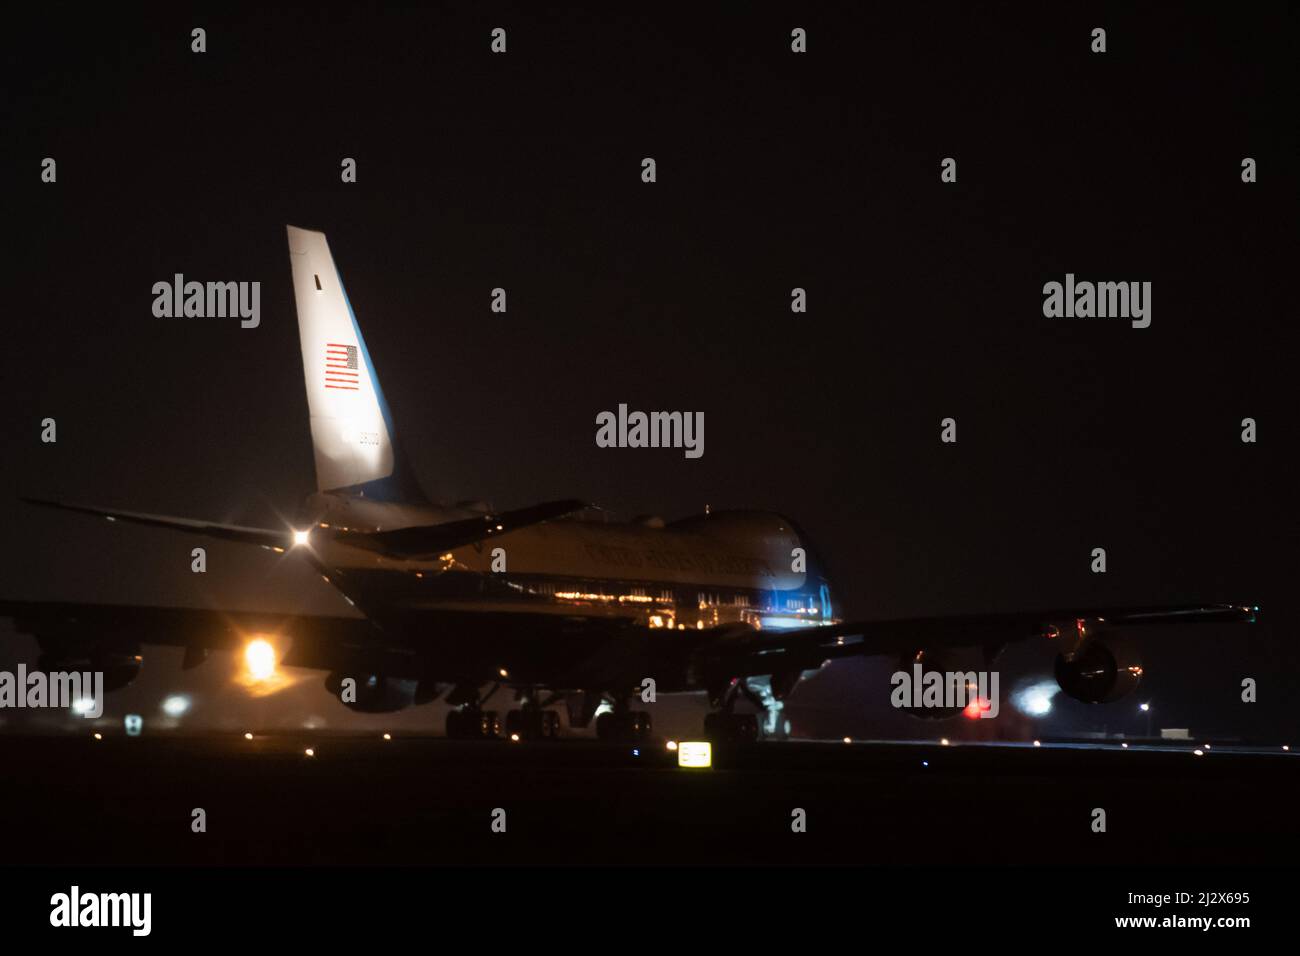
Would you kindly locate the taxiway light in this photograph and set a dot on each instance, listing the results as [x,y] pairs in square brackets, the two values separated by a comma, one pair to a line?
[672,745]
[1286,747]
[388,736]
[1038,743]
[1144,707]
[848,740]
[259,655]
[943,742]
[695,753]
[248,736]
[1125,746]
[1199,752]
[99,736]
[309,752]
[514,738]
[503,672]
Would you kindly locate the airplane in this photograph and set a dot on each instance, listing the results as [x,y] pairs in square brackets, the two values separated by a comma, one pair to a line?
[551,601]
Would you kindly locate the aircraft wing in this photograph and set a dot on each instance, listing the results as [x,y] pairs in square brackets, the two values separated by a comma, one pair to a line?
[313,641]
[354,644]
[769,650]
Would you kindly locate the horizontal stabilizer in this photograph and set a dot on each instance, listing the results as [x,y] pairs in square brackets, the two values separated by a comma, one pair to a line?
[267,538]
[426,540]
[413,542]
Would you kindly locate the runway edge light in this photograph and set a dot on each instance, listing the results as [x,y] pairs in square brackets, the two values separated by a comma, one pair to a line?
[694,753]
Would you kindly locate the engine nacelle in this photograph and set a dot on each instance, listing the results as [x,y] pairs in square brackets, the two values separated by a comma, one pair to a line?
[1099,671]
[120,668]
[374,693]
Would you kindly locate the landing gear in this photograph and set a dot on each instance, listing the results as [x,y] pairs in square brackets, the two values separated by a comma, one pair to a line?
[725,725]
[533,723]
[468,720]
[769,693]
[626,726]
[731,728]
[582,707]
[471,723]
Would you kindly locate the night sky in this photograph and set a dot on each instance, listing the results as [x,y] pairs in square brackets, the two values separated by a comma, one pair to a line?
[775,170]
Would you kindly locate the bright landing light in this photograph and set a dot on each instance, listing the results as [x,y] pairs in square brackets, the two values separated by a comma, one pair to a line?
[300,538]
[259,656]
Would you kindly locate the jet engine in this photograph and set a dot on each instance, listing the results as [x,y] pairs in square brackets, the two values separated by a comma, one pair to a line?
[1099,671]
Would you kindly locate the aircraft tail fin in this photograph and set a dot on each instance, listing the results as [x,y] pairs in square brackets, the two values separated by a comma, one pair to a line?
[351,426]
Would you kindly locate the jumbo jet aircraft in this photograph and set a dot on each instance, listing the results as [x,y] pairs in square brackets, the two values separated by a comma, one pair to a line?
[462,601]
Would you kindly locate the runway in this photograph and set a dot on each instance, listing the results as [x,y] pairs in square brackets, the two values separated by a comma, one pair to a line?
[422,800]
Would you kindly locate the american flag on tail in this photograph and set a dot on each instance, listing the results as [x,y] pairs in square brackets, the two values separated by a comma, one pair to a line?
[341,367]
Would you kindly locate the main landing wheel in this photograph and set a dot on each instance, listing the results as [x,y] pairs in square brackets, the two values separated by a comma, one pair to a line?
[532,724]
[473,724]
[631,726]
